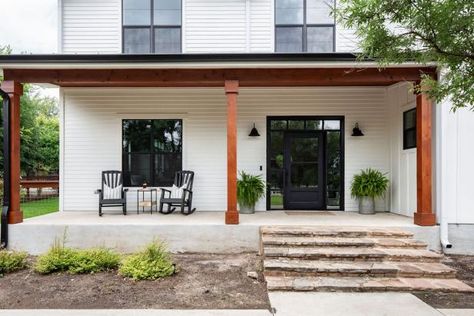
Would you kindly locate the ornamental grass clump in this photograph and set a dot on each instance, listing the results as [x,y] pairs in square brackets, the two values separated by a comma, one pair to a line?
[11,261]
[63,259]
[152,263]
[250,189]
[369,183]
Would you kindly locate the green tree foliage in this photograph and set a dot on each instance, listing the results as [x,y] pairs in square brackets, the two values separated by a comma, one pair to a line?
[39,131]
[423,31]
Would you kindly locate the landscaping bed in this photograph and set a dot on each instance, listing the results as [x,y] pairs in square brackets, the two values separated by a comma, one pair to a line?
[465,272]
[204,281]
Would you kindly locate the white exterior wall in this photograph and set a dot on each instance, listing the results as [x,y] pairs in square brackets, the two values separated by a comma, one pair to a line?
[402,162]
[92,133]
[90,27]
[208,26]
[456,166]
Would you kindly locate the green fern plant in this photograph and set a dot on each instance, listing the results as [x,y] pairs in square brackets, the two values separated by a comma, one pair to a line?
[370,182]
[250,189]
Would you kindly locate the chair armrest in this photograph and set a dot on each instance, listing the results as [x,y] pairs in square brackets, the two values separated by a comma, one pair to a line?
[98,191]
[125,190]
[163,191]
[166,190]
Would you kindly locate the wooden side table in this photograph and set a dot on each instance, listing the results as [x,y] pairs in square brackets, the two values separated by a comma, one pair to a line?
[149,199]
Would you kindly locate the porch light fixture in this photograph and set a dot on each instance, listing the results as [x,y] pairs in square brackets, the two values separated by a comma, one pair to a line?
[254,132]
[356,130]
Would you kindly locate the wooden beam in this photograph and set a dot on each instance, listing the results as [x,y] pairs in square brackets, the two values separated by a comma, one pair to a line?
[424,215]
[231,91]
[14,90]
[249,77]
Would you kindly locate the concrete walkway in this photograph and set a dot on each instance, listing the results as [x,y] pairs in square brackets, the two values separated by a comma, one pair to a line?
[290,304]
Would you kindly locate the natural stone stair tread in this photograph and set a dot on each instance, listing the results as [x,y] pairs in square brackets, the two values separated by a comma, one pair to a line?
[278,283]
[352,253]
[341,241]
[407,269]
[333,231]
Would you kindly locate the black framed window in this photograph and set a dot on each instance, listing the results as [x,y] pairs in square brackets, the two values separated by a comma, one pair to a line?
[151,151]
[409,129]
[151,26]
[304,26]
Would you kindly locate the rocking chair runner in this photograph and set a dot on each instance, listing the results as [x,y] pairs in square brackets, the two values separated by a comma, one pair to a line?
[112,193]
[183,180]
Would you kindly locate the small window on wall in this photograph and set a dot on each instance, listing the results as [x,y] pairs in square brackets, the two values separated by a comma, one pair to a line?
[409,129]
[151,151]
[151,26]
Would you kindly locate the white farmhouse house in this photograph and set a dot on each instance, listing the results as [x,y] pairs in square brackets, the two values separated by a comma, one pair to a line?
[151,87]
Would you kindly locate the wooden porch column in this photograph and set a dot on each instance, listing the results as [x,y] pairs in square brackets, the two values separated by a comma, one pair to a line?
[231,91]
[14,90]
[424,215]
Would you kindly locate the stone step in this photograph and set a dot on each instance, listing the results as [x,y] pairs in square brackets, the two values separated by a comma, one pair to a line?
[294,267]
[352,254]
[388,242]
[320,231]
[365,284]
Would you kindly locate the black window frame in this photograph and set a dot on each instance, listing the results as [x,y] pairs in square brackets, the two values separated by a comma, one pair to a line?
[152,153]
[304,27]
[406,129]
[152,28]
[322,130]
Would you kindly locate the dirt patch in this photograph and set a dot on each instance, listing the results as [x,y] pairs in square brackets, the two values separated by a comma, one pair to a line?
[203,282]
[465,268]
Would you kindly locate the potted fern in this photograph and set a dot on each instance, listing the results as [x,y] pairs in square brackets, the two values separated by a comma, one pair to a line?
[250,189]
[366,186]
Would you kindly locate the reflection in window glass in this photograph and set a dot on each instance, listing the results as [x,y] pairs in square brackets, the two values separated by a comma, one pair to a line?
[320,39]
[295,124]
[409,129]
[278,124]
[333,172]
[136,12]
[289,11]
[314,124]
[151,151]
[319,11]
[289,39]
[332,125]
[167,12]
[167,40]
[276,189]
[136,40]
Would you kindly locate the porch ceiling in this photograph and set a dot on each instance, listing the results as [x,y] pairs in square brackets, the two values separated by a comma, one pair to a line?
[205,70]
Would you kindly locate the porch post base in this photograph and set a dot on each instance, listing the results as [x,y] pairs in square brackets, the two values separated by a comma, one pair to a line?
[425,219]
[231,218]
[15,217]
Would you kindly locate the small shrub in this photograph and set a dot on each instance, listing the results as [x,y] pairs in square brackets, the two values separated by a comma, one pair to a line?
[11,261]
[94,260]
[150,264]
[63,259]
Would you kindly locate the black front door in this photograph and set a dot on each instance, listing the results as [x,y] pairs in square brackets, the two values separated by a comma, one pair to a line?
[303,167]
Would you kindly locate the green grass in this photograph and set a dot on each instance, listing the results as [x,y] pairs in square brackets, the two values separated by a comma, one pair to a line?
[38,208]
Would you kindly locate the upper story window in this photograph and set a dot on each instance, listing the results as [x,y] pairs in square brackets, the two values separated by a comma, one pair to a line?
[151,26]
[304,26]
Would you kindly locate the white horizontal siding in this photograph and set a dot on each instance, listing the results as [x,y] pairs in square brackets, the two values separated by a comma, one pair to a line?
[213,26]
[403,162]
[92,133]
[91,27]
[261,26]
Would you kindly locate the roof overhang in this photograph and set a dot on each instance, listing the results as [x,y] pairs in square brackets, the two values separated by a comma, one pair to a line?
[206,70]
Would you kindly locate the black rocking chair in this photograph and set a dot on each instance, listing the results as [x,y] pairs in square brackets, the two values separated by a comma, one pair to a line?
[182,179]
[112,193]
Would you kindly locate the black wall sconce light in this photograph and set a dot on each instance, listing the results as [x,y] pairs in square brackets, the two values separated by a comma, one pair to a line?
[254,132]
[356,130]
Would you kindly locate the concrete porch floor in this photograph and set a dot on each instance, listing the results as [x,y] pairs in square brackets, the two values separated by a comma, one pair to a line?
[199,232]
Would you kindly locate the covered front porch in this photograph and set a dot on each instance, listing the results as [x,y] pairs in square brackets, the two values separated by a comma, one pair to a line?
[219,98]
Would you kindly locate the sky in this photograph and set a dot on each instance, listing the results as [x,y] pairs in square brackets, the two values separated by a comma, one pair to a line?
[30,27]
